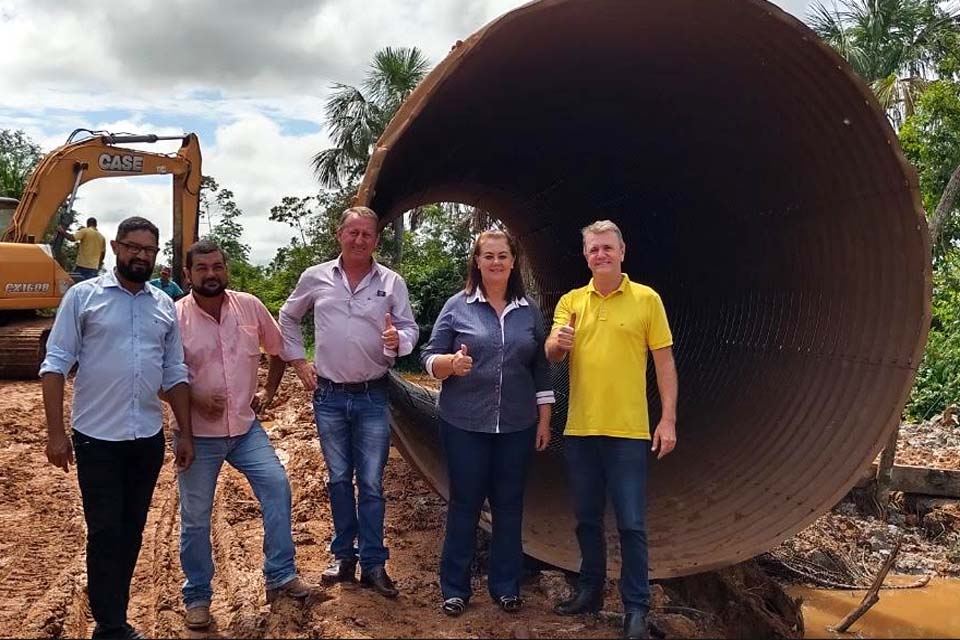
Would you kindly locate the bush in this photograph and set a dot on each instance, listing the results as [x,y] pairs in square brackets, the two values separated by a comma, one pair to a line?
[938,378]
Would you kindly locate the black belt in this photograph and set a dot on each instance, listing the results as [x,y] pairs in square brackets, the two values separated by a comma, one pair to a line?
[355,387]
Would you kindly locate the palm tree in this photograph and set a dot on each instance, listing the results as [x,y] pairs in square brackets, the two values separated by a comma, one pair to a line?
[893,44]
[357,117]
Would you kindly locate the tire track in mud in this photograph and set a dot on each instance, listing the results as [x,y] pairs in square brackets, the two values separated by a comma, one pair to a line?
[42,571]
[158,570]
[240,608]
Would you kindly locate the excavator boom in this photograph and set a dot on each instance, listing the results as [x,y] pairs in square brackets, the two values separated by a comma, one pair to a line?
[31,279]
[63,170]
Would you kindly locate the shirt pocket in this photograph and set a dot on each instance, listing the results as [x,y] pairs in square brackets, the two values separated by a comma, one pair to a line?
[248,341]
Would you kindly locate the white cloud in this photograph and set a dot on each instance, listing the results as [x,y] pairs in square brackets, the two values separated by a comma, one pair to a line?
[260,165]
[244,66]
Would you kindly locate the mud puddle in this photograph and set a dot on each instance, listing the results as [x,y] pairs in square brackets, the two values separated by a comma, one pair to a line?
[928,612]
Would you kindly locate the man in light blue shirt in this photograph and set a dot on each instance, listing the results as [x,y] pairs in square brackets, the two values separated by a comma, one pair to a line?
[125,338]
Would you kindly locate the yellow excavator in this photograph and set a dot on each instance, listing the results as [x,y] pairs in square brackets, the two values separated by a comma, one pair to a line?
[30,278]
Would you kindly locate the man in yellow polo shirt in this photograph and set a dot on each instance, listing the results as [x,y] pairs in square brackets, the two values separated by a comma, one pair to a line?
[90,253]
[606,329]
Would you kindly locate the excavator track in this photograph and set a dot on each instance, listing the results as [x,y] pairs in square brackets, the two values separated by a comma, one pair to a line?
[23,347]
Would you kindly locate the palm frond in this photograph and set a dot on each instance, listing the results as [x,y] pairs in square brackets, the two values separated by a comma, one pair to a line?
[357,118]
[335,168]
[394,74]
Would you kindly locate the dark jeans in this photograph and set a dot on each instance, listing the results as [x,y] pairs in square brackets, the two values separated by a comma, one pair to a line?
[599,466]
[483,466]
[116,482]
[84,273]
[354,434]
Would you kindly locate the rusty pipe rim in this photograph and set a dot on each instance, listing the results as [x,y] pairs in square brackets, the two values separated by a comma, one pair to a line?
[762,192]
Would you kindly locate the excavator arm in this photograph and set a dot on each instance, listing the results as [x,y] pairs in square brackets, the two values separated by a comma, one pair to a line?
[61,172]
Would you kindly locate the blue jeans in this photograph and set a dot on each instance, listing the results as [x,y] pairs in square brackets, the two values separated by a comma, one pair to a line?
[252,455]
[483,466]
[599,466]
[354,432]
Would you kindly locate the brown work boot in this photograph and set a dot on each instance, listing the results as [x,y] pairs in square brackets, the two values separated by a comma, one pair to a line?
[342,570]
[295,588]
[198,617]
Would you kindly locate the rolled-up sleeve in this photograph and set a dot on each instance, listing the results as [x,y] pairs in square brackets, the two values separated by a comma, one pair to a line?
[441,338]
[174,367]
[291,313]
[403,320]
[541,368]
[271,339]
[63,344]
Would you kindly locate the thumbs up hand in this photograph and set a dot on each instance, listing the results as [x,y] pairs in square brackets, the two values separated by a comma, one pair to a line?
[566,334]
[461,363]
[391,338]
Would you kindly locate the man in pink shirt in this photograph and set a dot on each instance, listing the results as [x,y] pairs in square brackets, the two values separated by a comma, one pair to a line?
[223,332]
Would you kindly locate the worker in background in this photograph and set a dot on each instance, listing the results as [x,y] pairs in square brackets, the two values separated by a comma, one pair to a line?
[165,284]
[494,406]
[125,337]
[223,332]
[90,252]
[606,329]
[363,322]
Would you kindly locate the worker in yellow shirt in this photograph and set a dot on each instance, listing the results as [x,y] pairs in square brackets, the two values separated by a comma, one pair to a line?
[90,253]
[606,329]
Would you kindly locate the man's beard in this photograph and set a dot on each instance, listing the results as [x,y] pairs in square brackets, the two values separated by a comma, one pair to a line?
[127,270]
[208,293]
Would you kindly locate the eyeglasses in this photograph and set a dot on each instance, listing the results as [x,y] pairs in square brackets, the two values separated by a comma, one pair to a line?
[136,249]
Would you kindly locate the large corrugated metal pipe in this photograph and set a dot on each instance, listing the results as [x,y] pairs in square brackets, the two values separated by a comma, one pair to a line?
[761,191]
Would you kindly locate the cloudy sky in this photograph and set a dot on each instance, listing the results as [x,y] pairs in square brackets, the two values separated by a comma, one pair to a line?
[250,77]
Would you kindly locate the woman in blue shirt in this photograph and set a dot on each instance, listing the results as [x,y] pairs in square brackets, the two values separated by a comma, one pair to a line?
[494,405]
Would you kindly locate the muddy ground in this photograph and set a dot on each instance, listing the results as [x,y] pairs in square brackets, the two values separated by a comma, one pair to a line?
[42,572]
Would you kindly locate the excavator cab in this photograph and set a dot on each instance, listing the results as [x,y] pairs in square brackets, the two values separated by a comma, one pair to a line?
[7,207]
[31,280]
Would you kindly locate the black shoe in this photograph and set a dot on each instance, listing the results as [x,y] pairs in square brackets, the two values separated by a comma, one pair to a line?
[126,632]
[133,634]
[376,578]
[635,625]
[342,570]
[583,601]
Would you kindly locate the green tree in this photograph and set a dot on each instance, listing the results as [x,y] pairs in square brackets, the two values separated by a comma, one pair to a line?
[294,211]
[895,45]
[357,117]
[436,268]
[931,140]
[18,157]
[938,377]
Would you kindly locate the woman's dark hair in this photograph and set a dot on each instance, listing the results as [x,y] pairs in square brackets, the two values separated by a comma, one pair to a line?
[515,288]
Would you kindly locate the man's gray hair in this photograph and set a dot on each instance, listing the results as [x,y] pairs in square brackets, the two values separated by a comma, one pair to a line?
[602,226]
[362,212]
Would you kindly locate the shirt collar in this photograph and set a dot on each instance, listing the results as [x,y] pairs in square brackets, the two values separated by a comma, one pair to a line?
[109,279]
[190,301]
[477,296]
[338,265]
[624,281]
